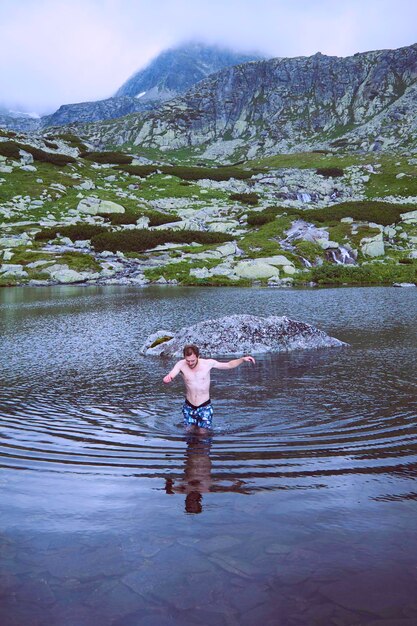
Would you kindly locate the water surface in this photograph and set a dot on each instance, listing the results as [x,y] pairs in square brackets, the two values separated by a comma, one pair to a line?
[299,509]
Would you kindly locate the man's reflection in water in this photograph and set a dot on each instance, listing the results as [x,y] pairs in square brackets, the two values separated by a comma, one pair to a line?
[197,477]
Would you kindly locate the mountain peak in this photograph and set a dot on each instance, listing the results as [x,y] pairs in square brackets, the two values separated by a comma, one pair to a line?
[177,69]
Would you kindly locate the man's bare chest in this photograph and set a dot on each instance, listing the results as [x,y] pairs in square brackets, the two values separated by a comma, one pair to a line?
[196,378]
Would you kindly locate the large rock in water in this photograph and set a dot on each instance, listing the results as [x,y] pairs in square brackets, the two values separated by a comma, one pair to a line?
[240,334]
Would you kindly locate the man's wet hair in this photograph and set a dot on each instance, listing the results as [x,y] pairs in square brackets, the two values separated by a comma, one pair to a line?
[191,349]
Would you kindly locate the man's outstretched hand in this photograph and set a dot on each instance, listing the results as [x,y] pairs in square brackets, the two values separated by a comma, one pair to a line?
[167,379]
[249,359]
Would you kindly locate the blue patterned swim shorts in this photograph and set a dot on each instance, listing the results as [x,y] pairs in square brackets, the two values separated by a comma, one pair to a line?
[200,416]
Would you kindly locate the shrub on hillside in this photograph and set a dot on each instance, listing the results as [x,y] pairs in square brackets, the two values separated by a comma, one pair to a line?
[107,157]
[384,213]
[7,133]
[190,173]
[51,144]
[245,198]
[374,273]
[130,217]
[141,240]
[259,218]
[139,170]
[73,141]
[11,149]
[330,172]
[76,232]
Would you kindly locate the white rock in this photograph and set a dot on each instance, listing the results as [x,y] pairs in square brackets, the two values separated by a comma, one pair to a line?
[200,272]
[278,259]
[373,246]
[410,217]
[228,249]
[26,158]
[327,244]
[11,242]
[10,269]
[389,232]
[68,276]
[89,205]
[86,184]
[142,222]
[255,269]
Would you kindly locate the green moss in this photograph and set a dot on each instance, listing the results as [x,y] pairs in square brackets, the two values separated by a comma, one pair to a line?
[308,250]
[367,274]
[79,262]
[160,340]
[264,240]
[23,256]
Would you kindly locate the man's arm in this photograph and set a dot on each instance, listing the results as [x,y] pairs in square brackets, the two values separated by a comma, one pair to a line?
[229,365]
[175,370]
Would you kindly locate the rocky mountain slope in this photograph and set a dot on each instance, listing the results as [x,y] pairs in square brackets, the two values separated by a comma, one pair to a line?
[69,215]
[366,102]
[16,120]
[169,75]
[176,70]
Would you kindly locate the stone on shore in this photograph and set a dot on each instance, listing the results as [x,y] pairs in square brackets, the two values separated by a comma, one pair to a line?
[240,334]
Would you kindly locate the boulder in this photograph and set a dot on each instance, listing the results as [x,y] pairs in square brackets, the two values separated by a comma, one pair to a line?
[240,334]
[107,206]
[255,269]
[93,206]
[65,276]
[278,259]
[11,242]
[373,246]
[10,269]
[200,272]
[410,217]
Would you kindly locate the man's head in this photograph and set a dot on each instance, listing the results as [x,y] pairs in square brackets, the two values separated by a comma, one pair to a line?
[191,354]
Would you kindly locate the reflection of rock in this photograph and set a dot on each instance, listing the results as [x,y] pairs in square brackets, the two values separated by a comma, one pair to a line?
[241,334]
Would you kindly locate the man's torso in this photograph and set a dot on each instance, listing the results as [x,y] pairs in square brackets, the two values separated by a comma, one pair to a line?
[197,381]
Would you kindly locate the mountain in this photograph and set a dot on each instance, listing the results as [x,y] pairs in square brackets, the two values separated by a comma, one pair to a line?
[176,70]
[17,120]
[84,112]
[366,101]
[170,74]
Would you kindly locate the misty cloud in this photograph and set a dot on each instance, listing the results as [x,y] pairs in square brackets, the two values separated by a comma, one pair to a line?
[54,52]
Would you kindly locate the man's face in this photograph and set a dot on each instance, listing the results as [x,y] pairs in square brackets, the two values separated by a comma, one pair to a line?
[191,360]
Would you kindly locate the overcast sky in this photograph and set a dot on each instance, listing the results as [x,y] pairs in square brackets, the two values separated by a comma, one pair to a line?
[54,52]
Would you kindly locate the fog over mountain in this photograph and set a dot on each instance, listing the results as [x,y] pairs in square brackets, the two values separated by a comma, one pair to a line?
[168,75]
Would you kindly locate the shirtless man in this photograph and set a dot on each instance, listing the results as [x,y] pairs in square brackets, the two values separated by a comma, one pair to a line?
[197,409]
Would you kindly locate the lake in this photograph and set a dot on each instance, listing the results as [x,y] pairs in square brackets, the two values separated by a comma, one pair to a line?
[299,509]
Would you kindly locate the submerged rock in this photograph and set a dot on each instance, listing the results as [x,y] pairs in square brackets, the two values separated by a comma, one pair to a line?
[240,334]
